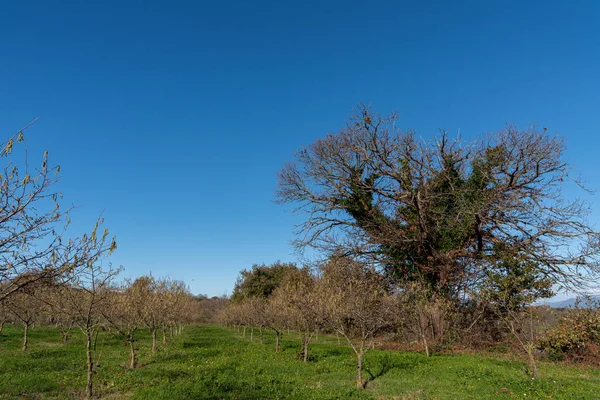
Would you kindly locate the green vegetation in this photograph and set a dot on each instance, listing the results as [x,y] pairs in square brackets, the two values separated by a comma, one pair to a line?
[210,362]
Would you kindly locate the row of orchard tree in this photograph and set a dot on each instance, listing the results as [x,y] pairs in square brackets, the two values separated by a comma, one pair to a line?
[449,235]
[361,306]
[47,277]
[94,303]
[344,297]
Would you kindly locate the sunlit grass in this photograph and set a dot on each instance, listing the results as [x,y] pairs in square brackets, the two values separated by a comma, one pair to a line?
[210,362]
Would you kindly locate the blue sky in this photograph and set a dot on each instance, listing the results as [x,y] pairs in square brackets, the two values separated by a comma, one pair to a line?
[174,117]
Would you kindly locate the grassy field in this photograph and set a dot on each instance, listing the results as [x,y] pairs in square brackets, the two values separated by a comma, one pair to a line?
[209,362]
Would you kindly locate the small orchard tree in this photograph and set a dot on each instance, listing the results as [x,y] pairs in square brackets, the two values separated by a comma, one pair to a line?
[61,315]
[304,311]
[86,288]
[356,304]
[510,291]
[120,314]
[178,305]
[148,305]
[256,309]
[277,317]
[423,312]
[27,306]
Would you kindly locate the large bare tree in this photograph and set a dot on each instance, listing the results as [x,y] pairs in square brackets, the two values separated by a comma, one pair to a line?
[443,211]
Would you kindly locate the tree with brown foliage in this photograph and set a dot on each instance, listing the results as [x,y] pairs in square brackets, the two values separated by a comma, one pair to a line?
[86,288]
[304,310]
[27,305]
[356,304]
[146,303]
[120,314]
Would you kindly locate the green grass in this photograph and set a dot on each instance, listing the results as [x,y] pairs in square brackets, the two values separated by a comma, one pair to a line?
[210,362]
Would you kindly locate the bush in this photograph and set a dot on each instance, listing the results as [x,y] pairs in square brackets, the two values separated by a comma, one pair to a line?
[577,335]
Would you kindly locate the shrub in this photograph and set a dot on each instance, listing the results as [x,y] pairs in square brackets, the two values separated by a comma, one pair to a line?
[576,335]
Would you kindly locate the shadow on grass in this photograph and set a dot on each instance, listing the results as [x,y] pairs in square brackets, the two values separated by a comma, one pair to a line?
[386,363]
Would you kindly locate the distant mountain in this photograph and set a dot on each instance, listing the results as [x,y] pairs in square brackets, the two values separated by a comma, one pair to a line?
[571,302]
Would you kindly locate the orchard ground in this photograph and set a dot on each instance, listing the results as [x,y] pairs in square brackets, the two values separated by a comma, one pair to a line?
[212,362]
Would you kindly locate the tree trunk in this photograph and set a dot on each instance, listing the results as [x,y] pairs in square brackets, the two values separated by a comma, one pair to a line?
[359,381]
[164,334]
[133,359]
[261,334]
[244,330]
[277,333]
[2,326]
[317,336]
[25,336]
[426,347]
[252,334]
[66,334]
[305,350]
[154,340]
[532,366]
[171,329]
[90,365]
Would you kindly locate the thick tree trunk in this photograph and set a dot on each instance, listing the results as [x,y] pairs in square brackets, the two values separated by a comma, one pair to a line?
[154,340]
[90,365]
[25,336]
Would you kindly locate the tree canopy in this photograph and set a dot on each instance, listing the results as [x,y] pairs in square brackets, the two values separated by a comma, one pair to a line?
[260,281]
[445,211]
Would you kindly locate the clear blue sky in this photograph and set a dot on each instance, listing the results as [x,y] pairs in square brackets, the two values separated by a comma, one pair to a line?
[175,117]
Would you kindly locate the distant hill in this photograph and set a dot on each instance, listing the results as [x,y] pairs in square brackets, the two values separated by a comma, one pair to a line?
[571,302]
